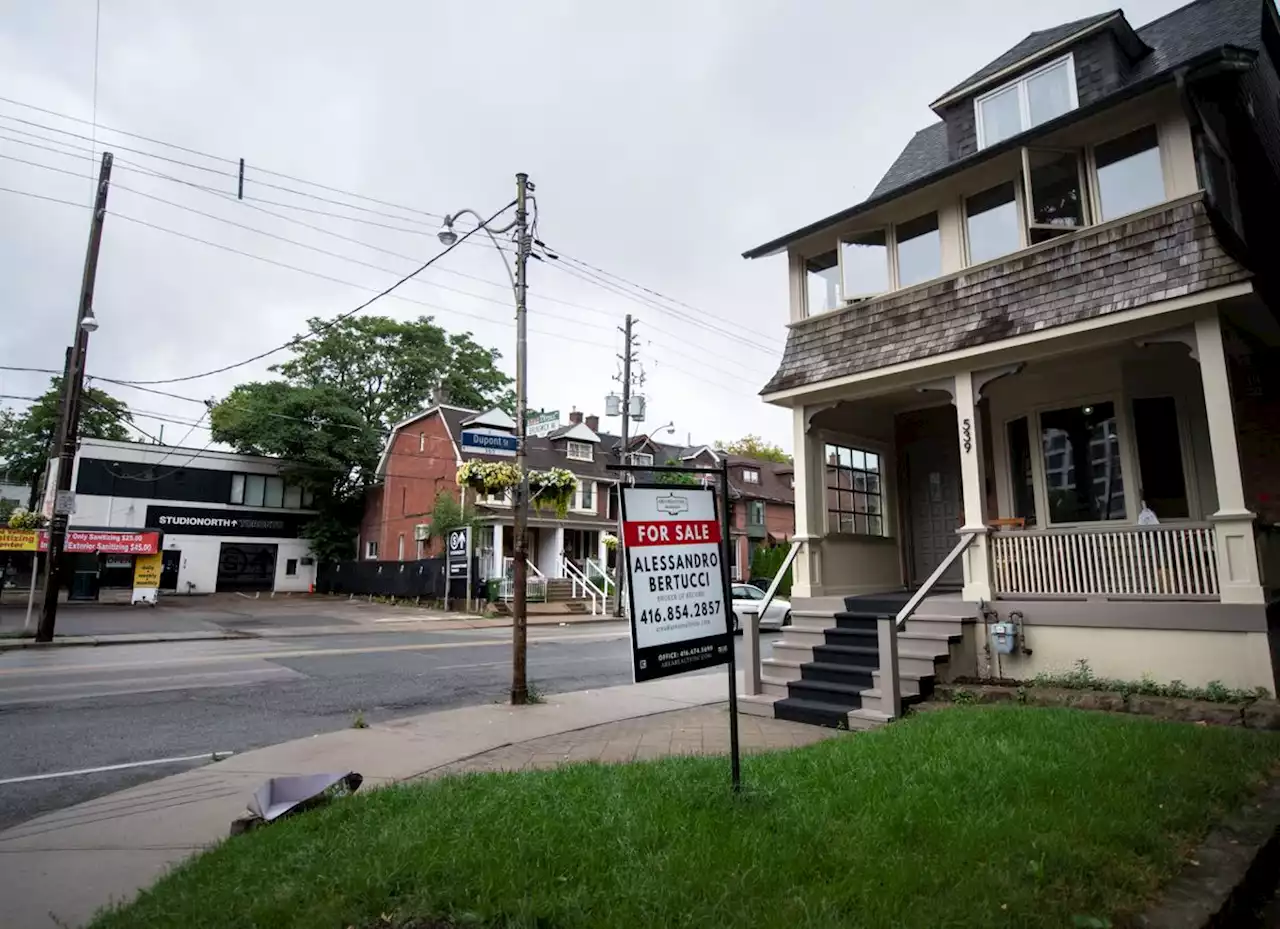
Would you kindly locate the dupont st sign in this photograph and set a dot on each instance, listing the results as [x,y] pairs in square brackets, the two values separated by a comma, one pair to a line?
[486,442]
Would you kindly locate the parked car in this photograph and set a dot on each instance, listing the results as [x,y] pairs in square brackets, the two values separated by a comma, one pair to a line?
[746,599]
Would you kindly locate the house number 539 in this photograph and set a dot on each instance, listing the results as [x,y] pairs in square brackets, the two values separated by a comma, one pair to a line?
[966,428]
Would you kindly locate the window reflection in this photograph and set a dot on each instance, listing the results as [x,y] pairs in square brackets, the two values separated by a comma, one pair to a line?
[992,220]
[1130,177]
[1082,471]
[866,264]
[919,250]
[1056,203]
[822,283]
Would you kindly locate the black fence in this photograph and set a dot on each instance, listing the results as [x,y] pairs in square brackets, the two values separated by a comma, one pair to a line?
[423,578]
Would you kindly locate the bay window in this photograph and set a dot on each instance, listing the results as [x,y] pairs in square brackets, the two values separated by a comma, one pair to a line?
[1036,98]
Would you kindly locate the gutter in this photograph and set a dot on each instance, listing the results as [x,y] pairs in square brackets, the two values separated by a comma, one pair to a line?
[1018,141]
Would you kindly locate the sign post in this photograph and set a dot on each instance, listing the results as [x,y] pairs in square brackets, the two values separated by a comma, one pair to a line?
[457,560]
[675,540]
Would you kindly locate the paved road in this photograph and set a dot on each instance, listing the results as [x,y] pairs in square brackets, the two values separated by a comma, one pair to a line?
[76,708]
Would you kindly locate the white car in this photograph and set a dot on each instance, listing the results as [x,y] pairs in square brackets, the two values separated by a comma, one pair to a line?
[746,599]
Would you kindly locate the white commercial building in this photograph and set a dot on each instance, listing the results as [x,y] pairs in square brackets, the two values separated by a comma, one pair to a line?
[227,521]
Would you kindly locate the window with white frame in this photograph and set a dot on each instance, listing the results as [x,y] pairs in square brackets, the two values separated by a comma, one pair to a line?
[370,549]
[864,260]
[641,458]
[502,499]
[1044,94]
[579,451]
[1130,177]
[992,227]
[919,249]
[1084,481]
[822,283]
[750,476]
[855,502]
[584,498]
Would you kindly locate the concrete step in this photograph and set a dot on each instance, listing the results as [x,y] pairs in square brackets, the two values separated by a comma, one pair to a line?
[815,713]
[792,651]
[756,704]
[863,719]
[827,692]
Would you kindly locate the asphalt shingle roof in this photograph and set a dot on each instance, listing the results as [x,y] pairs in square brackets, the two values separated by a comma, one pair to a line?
[1035,42]
[1174,39]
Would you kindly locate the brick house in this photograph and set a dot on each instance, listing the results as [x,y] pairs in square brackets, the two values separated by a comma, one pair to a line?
[422,458]
[762,496]
[1035,369]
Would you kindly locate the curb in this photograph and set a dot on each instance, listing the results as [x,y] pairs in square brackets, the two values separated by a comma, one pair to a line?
[78,641]
[1232,874]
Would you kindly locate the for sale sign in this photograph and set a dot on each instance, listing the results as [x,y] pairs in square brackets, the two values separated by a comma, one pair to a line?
[675,576]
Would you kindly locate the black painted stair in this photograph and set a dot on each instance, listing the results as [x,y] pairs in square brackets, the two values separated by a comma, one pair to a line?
[832,684]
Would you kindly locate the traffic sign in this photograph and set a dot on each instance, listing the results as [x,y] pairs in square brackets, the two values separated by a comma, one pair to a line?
[458,551]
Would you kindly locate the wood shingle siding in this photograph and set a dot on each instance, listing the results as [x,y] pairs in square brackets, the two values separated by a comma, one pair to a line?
[1155,256]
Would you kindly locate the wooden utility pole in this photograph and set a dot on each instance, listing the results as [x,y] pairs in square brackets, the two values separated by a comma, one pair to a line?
[69,415]
[624,457]
[520,570]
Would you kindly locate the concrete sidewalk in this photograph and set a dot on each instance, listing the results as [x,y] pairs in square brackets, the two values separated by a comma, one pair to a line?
[60,868]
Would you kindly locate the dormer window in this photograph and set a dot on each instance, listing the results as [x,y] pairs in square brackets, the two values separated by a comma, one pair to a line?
[1035,98]
[750,476]
[641,458]
[578,451]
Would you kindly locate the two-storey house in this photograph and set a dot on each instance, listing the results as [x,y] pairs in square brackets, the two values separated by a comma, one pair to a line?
[763,512]
[1047,341]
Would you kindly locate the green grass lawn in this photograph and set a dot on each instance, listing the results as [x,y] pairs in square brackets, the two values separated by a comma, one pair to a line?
[983,817]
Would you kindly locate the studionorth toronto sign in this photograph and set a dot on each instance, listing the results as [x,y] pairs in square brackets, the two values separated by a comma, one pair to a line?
[675,580]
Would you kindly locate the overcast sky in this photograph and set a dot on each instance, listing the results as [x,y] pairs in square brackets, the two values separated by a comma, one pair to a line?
[664,139]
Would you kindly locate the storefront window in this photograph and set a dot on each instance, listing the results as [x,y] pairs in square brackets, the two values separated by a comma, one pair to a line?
[1083,478]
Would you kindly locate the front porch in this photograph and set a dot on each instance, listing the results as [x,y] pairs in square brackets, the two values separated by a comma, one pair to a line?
[1100,481]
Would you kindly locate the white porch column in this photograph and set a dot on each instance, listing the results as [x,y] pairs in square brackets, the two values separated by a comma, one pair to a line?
[806,572]
[1239,579]
[977,566]
[497,551]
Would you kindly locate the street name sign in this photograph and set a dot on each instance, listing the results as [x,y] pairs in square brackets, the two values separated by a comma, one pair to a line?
[675,580]
[540,425]
[483,442]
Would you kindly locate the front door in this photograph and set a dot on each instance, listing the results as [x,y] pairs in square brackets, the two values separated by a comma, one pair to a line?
[170,562]
[931,455]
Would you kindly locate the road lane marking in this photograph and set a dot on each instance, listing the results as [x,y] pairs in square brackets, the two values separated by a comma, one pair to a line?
[300,653]
[209,756]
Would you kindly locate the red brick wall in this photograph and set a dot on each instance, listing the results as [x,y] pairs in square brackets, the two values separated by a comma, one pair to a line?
[420,465]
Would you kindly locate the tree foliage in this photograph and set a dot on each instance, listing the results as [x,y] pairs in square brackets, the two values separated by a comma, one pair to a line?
[389,369]
[753,446]
[339,397]
[26,437]
[671,477]
[446,515]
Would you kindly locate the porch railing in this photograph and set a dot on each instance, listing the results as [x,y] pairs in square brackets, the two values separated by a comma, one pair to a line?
[1172,562]
[583,586]
[751,681]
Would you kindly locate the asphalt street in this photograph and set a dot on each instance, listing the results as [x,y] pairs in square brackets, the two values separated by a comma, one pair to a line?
[70,709]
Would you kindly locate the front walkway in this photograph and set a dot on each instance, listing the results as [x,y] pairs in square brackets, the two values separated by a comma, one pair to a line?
[58,869]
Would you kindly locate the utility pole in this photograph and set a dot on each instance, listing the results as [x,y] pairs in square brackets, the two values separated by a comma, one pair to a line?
[69,415]
[519,606]
[622,475]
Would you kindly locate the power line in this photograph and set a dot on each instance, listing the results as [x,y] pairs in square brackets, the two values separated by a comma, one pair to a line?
[231,161]
[28,193]
[333,322]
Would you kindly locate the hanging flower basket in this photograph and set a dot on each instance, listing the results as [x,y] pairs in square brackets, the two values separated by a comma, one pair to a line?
[22,518]
[488,477]
[554,488]
[610,541]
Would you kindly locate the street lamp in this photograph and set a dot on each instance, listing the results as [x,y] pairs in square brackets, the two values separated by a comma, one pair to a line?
[89,323]
[519,606]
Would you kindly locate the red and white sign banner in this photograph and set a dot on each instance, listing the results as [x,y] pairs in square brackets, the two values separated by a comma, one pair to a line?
[112,543]
[675,580]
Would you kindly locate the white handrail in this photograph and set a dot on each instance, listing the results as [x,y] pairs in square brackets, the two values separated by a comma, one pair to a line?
[599,569]
[966,539]
[579,579]
[751,633]
[509,562]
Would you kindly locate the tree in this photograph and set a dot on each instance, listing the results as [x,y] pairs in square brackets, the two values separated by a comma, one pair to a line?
[341,393]
[671,477]
[26,438]
[389,369]
[752,446]
[446,515]
[330,446]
